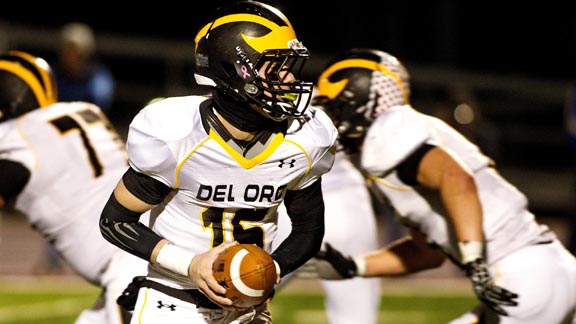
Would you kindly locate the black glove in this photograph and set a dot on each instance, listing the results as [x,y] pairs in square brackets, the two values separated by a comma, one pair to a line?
[128,298]
[491,295]
[338,266]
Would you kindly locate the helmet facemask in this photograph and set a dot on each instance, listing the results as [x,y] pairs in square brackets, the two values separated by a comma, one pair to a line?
[277,87]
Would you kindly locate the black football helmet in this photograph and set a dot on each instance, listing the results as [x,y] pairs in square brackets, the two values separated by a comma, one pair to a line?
[26,83]
[243,37]
[356,87]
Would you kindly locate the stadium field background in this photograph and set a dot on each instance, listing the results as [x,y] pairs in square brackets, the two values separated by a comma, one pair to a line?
[57,300]
[31,293]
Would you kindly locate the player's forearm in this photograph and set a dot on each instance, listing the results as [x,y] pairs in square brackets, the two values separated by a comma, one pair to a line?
[461,200]
[440,171]
[401,257]
[306,211]
[119,222]
[303,243]
[121,227]
[383,263]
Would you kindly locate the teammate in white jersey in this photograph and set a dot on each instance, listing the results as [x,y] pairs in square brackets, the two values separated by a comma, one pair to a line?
[348,205]
[350,227]
[58,163]
[214,169]
[450,196]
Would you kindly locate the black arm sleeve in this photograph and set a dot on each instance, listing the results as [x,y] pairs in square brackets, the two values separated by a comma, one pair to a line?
[147,189]
[408,169]
[121,226]
[306,211]
[13,178]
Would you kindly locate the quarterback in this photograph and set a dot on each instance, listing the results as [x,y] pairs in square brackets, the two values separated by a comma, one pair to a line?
[214,169]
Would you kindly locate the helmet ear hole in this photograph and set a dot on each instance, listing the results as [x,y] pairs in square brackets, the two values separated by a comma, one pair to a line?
[228,69]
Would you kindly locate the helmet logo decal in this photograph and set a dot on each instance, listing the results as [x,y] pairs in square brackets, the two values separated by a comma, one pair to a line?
[332,89]
[245,73]
[247,66]
[296,45]
[278,37]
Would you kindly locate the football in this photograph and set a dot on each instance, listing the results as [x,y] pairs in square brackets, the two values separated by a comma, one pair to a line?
[248,274]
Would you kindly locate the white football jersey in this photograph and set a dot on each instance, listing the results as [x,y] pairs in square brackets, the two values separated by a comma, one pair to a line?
[221,194]
[75,159]
[398,132]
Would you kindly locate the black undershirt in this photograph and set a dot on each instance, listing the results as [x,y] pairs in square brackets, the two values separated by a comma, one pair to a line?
[13,178]
[408,169]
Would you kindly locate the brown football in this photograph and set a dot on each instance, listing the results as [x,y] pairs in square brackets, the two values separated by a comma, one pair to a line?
[247,272]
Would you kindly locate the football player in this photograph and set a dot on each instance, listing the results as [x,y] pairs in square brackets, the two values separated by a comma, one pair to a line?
[449,194]
[214,169]
[352,228]
[58,163]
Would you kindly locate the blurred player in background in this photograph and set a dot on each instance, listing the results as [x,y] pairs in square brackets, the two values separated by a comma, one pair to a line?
[214,169]
[58,163]
[350,227]
[449,195]
[79,73]
[80,76]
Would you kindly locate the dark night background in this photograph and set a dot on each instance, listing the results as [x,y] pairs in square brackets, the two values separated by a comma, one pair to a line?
[518,38]
[517,58]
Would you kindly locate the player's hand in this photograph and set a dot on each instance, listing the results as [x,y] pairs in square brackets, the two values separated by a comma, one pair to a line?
[200,271]
[485,289]
[330,264]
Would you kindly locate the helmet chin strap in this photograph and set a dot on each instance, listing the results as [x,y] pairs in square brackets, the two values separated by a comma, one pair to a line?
[240,115]
[274,116]
[252,91]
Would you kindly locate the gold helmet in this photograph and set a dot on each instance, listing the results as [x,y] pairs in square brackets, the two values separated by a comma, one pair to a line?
[243,37]
[26,83]
[356,87]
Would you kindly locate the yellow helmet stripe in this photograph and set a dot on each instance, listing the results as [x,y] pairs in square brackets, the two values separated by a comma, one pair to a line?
[332,89]
[43,69]
[28,77]
[277,38]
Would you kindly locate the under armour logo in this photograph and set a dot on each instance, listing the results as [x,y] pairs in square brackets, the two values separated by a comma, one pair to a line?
[282,162]
[161,305]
